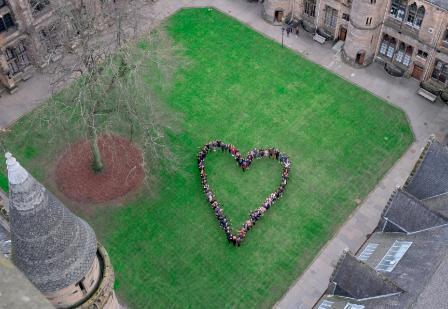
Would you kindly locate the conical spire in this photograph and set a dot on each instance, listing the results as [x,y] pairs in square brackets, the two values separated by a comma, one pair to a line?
[16,173]
[53,247]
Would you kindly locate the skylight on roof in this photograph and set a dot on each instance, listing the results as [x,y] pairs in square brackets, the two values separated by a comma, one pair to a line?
[367,252]
[393,256]
[353,306]
[326,304]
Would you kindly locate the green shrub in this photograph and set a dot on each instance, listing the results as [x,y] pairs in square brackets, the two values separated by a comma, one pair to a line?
[431,87]
[444,95]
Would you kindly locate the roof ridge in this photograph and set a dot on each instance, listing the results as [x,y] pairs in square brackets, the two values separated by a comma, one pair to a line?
[389,286]
[389,202]
[379,274]
[417,165]
[339,263]
[422,204]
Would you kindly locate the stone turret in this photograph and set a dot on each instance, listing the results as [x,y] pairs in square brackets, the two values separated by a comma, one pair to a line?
[54,248]
[366,18]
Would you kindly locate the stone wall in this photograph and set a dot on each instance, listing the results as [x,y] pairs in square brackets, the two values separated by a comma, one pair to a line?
[363,31]
[77,293]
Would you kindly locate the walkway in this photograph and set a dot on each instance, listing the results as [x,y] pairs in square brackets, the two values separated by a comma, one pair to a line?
[424,117]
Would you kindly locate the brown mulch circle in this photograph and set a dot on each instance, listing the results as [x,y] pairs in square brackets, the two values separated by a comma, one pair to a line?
[123,170]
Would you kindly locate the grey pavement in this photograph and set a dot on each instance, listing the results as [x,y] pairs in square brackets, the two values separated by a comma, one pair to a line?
[425,118]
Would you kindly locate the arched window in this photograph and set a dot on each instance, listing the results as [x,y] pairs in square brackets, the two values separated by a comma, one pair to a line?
[420,16]
[412,12]
[400,53]
[408,56]
[310,8]
[384,44]
[391,48]
[397,9]
[387,47]
[440,71]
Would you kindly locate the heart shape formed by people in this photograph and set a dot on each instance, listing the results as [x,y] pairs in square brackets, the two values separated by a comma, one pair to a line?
[244,163]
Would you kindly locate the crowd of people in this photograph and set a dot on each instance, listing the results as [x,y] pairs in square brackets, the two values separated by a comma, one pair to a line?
[245,164]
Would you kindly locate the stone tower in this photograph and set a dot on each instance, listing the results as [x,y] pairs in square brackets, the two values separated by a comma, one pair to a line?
[366,19]
[54,248]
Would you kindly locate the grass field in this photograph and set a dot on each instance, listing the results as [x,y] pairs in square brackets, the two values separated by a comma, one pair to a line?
[244,89]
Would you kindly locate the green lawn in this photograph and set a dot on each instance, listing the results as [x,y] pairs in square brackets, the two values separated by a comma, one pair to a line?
[244,89]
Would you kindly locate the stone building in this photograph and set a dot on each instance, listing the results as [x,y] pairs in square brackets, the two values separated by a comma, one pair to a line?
[56,250]
[30,38]
[409,37]
[404,262]
[25,31]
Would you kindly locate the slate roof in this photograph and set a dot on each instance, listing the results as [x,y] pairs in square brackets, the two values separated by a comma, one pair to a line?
[355,279]
[443,4]
[405,213]
[430,175]
[416,223]
[53,247]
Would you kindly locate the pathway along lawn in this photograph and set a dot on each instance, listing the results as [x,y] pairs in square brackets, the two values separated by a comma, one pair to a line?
[247,90]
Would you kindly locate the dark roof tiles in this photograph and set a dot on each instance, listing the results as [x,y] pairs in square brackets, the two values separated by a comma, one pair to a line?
[355,279]
[430,177]
[409,214]
[53,247]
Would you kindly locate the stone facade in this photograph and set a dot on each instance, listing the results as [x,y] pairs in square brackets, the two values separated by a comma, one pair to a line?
[22,39]
[30,36]
[409,37]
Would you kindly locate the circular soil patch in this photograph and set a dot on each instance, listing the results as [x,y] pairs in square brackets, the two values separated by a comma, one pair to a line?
[123,170]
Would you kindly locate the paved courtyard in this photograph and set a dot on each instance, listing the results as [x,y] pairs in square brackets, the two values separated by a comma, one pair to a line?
[425,118]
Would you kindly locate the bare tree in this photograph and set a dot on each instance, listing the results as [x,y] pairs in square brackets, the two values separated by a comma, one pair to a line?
[110,69]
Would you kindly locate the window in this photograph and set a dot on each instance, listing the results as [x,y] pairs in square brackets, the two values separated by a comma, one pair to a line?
[38,6]
[415,16]
[393,256]
[412,11]
[408,56]
[422,54]
[346,17]
[397,9]
[331,16]
[419,17]
[353,306]
[368,21]
[367,252]
[17,58]
[440,71]
[6,22]
[372,1]
[387,47]
[326,304]
[2,3]
[400,53]
[310,8]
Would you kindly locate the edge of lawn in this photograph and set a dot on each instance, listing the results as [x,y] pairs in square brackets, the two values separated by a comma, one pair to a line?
[4,182]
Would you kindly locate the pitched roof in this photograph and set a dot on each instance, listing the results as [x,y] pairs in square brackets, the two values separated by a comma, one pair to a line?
[438,203]
[405,213]
[430,175]
[443,4]
[53,247]
[355,279]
